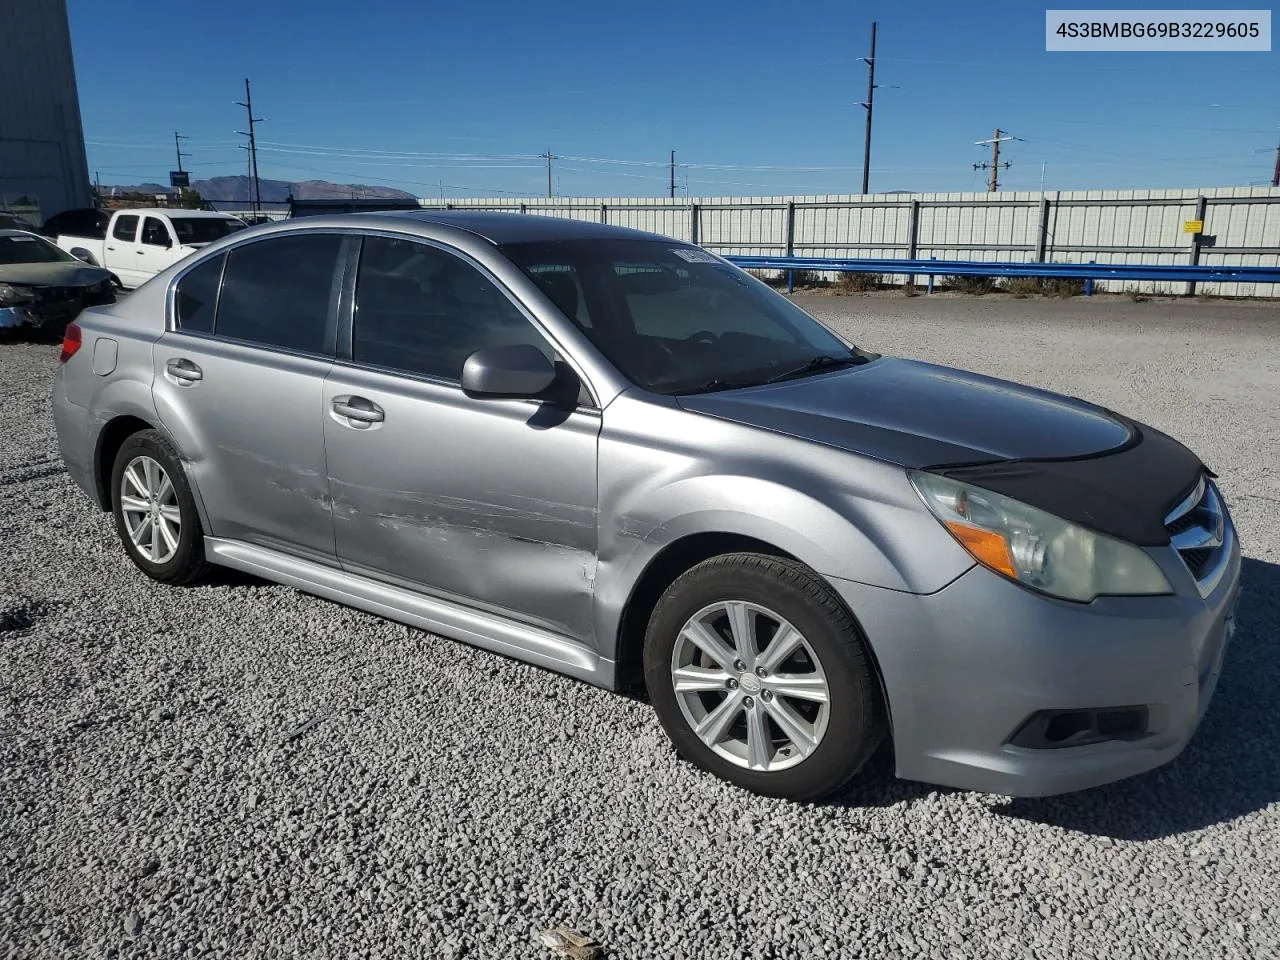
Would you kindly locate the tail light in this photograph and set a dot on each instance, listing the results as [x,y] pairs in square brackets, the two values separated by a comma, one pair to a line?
[71,341]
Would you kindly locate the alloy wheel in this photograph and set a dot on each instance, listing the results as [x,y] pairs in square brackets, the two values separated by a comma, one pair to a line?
[750,686]
[149,504]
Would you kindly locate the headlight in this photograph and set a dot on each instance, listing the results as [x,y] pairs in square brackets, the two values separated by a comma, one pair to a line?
[1036,548]
[12,295]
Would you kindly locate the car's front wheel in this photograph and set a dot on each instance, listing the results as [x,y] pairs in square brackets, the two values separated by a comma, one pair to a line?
[760,676]
[154,511]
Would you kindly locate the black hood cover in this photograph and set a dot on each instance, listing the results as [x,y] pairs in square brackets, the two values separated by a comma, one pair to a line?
[1125,492]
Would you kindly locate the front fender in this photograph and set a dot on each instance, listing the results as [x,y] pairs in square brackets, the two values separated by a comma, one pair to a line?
[666,475]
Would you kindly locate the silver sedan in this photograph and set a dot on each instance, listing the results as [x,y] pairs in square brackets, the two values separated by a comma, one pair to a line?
[617,456]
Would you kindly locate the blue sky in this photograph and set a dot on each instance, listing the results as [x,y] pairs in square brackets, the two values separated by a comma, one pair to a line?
[755,98]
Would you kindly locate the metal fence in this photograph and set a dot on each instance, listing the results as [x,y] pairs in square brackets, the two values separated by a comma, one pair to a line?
[1239,227]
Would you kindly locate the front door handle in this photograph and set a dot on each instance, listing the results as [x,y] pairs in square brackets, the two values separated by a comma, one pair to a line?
[358,409]
[180,368]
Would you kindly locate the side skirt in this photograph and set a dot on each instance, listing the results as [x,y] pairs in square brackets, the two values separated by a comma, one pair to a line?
[481,629]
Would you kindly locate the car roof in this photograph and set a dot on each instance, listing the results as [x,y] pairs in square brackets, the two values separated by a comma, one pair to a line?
[500,228]
[177,212]
[6,232]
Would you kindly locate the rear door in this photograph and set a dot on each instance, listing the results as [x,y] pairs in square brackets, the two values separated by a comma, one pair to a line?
[488,502]
[238,381]
[120,252]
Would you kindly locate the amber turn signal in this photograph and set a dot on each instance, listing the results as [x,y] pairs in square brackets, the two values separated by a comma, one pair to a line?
[989,549]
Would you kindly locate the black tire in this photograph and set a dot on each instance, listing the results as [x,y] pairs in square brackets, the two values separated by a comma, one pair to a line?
[187,563]
[856,721]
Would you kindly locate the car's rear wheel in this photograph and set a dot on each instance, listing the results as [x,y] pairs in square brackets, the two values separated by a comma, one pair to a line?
[154,511]
[760,676]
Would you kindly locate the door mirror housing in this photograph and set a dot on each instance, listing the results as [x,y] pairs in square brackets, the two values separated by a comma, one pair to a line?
[518,371]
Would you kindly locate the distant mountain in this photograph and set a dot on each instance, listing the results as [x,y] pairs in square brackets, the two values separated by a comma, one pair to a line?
[237,190]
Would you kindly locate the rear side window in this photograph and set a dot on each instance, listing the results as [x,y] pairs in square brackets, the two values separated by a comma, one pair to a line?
[424,311]
[126,228]
[197,296]
[277,292]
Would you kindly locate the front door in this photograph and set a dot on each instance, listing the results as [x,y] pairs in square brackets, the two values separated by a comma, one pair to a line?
[157,248]
[487,502]
[238,381]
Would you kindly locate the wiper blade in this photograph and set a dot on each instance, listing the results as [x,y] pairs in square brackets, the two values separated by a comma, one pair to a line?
[716,383]
[823,362]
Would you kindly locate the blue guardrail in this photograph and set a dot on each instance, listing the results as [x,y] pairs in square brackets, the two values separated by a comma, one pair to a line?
[1178,273]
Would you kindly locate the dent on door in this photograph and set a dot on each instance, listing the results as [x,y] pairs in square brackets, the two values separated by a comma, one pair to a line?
[486,502]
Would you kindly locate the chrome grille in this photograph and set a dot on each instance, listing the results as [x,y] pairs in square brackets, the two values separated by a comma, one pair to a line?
[1198,530]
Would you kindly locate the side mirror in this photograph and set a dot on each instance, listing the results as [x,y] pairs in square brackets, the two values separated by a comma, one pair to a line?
[516,371]
[81,254]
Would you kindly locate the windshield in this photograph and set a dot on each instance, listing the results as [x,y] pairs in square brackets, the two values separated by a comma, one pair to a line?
[673,318]
[202,229]
[27,248]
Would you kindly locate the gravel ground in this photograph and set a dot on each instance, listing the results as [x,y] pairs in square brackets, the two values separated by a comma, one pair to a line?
[241,770]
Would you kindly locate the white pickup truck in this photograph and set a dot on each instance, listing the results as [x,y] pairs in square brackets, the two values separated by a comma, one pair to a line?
[138,244]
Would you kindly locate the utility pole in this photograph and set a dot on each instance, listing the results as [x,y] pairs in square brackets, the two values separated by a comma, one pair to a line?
[178,148]
[867,104]
[673,174]
[1275,177]
[548,157]
[994,165]
[256,194]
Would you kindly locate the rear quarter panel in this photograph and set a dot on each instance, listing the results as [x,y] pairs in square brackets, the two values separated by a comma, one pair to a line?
[124,389]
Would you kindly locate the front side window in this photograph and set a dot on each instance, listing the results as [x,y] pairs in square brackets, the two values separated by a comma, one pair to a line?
[277,292]
[423,311]
[155,233]
[674,319]
[197,296]
[126,228]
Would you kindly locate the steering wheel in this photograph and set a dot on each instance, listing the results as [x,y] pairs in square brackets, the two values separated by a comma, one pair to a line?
[702,336]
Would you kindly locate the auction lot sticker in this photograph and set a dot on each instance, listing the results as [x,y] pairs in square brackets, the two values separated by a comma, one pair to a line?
[1156,30]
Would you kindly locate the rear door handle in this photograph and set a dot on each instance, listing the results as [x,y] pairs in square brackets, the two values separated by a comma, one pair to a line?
[180,368]
[358,409]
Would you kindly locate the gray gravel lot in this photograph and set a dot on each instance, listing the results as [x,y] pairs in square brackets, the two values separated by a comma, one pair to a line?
[240,770]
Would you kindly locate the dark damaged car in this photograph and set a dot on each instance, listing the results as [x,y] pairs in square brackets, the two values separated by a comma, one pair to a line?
[44,287]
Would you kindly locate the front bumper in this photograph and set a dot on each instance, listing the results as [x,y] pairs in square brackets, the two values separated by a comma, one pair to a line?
[56,305]
[966,667]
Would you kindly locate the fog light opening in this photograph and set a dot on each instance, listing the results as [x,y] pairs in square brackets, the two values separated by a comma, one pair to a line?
[1051,729]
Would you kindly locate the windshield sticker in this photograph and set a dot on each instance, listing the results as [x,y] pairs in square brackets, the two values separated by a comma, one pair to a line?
[694,255]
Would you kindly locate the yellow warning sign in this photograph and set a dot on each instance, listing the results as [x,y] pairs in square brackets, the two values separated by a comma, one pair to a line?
[1193,226]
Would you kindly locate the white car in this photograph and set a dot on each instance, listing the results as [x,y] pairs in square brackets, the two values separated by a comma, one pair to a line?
[138,244]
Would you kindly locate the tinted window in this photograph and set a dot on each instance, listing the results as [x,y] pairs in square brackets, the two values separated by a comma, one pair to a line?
[675,319]
[277,292]
[203,229]
[197,295]
[155,233]
[126,228]
[424,311]
[78,223]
